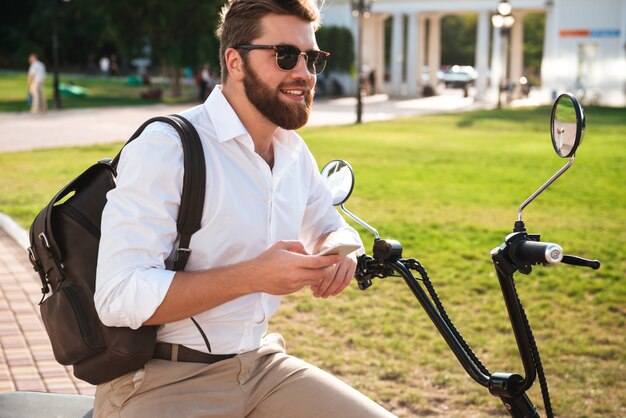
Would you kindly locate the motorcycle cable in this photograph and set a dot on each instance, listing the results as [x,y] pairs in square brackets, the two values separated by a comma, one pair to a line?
[413,264]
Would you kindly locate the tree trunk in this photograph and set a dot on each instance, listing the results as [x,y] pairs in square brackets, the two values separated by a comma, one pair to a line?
[176,91]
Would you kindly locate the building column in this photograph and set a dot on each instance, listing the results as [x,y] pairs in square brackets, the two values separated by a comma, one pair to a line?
[482,57]
[397,58]
[374,50]
[434,48]
[621,101]
[421,52]
[413,74]
[517,52]
[496,63]
[548,61]
[379,45]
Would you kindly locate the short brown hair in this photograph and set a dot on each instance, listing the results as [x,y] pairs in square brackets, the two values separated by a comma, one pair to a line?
[239,20]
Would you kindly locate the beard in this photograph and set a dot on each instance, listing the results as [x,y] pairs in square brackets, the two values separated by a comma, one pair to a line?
[286,115]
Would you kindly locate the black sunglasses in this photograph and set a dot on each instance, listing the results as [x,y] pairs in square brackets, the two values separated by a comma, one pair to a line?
[287,57]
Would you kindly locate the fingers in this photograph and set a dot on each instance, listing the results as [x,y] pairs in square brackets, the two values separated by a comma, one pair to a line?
[327,285]
[340,279]
[291,246]
[327,275]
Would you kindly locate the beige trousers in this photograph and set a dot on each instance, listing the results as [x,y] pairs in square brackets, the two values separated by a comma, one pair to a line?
[265,383]
[38,98]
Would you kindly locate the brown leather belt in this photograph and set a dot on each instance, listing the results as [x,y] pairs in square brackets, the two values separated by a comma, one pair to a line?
[177,352]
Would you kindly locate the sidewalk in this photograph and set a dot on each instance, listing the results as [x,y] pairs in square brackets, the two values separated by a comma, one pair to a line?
[24,131]
[26,360]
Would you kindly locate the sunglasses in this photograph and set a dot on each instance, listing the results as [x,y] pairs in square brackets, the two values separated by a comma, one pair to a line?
[287,57]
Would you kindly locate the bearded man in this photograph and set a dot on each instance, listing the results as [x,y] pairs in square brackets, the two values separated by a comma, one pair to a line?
[266,212]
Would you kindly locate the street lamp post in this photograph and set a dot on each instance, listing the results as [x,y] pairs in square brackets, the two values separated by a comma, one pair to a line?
[361,10]
[503,20]
[55,53]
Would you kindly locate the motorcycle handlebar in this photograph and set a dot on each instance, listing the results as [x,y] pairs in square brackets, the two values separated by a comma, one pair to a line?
[535,252]
[525,252]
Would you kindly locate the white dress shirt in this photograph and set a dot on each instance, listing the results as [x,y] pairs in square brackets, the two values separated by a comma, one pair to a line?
[247,208]
[38,71]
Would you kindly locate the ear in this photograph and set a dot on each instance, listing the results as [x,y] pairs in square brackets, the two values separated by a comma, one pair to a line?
[234,64]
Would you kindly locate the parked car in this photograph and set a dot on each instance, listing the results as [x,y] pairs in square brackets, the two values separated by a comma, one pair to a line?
[457,76]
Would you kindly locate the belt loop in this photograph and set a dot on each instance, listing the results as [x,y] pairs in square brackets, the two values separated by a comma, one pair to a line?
[174,352]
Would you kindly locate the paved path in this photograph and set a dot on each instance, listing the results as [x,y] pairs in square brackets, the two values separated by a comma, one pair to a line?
[26,361]
[23,131]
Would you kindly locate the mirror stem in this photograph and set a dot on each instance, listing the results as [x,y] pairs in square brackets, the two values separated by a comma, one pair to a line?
[359,221]
[545,186]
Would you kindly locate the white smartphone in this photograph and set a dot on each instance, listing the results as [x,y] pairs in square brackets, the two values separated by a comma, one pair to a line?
[340,249]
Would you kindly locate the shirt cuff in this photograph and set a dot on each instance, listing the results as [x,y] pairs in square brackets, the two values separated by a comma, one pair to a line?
[132,300]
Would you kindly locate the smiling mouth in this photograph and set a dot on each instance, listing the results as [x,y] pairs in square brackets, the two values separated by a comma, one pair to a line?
[293,92]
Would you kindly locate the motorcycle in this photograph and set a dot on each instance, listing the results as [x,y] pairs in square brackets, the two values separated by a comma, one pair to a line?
[519,252]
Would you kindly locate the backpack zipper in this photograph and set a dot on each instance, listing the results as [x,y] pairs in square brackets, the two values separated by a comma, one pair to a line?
[82,220]
[71,295]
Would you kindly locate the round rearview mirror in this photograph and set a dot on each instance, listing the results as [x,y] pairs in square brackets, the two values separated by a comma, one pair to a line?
[339,180]
[567,125]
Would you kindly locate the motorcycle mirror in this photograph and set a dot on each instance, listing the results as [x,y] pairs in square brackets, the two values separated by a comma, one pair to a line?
[566,128]
[567,125]
[338,177]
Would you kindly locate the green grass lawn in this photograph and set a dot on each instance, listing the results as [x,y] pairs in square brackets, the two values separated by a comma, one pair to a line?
[113,91]
[448,188]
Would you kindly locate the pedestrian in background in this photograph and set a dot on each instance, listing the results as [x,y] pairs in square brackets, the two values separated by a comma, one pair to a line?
[114,68]
[105,66]
[36,78]
[206,82]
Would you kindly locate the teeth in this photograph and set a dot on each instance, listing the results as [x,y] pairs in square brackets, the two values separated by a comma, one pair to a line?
[297,92]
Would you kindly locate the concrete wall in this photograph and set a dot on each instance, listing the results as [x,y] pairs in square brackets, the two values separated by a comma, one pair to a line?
[586,50]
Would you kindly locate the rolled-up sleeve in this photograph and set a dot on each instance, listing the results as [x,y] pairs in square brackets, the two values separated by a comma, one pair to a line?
[139,229]
[320,216]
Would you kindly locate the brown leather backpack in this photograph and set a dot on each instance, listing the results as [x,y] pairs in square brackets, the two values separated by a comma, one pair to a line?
[64,239]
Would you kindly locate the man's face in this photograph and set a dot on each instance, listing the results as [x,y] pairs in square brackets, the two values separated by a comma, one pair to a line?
[267,100]
[283,97]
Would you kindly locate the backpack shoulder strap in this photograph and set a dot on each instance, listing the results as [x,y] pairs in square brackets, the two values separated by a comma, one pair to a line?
[194,182]
[194,187]
[192,198]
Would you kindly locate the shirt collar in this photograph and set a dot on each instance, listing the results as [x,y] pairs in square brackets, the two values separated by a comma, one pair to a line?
[223,117]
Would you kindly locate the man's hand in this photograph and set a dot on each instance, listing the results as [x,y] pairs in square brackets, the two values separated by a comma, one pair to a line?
[343,273]
[286,268]
[283,268]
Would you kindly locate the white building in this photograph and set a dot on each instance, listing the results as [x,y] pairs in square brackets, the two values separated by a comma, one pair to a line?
[584,44]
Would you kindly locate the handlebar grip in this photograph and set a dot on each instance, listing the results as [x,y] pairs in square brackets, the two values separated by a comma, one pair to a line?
[583,262]
[534,252]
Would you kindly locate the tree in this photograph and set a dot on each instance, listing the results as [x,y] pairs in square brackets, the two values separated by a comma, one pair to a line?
[458,39]
[339,42]
[27,26]
[534,28]
[180,33]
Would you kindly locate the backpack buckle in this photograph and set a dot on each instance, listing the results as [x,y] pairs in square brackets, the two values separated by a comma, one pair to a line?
[42,276]
[44,239]
[33,259]
[182,253]
[181,257]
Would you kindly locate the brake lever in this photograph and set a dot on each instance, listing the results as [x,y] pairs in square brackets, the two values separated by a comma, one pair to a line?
[579,261]
[368,268]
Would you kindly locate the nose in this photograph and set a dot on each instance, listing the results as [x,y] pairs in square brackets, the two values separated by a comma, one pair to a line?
[301,69]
